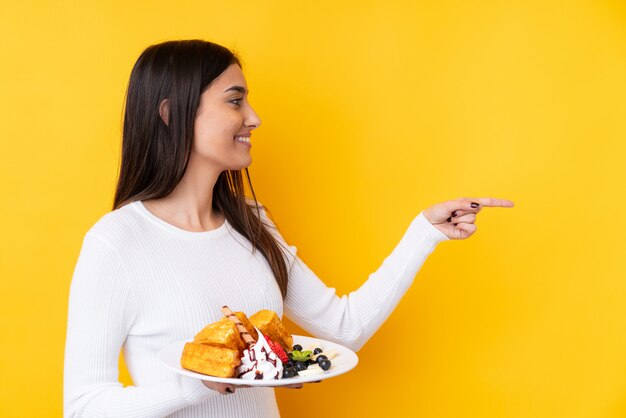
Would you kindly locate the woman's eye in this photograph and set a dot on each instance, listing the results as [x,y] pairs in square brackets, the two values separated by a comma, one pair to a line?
[236,100]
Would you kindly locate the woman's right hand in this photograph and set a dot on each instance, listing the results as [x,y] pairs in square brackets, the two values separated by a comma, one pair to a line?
[225,388]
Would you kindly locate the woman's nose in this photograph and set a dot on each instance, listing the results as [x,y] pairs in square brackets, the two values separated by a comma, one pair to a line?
[253,119]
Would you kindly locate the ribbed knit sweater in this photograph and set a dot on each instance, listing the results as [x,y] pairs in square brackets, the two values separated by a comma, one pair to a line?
[141,283]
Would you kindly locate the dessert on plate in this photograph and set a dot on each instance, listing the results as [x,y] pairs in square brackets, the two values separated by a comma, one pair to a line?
[259,347]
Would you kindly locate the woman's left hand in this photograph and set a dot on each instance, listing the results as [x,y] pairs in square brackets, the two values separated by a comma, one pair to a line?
[456,218]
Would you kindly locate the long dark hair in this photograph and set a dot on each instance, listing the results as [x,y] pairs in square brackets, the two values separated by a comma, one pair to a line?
[155,155]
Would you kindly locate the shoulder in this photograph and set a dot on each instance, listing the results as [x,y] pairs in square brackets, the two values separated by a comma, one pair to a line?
[119,227]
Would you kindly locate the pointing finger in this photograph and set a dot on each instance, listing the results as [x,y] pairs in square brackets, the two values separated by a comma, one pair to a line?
[493,203]
[475,204]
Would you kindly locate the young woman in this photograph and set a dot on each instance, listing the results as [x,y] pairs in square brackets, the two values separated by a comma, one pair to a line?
[183,240]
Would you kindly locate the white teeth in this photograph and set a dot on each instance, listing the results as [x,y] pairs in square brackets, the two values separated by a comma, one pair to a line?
[242,139]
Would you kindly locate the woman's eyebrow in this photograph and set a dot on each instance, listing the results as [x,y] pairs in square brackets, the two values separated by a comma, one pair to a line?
[240,89]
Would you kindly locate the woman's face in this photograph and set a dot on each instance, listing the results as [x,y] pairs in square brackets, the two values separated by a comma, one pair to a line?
[223,114]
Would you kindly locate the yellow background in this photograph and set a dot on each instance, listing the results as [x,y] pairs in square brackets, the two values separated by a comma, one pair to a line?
[371,112]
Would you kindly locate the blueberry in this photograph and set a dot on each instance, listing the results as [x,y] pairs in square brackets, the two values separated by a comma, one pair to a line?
[300,365]
[289,372]
[324,364]
[321,357]
[289,363]
[317,350]
[297,347]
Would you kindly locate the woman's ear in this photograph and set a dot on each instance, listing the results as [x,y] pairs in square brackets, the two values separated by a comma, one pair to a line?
[164,110]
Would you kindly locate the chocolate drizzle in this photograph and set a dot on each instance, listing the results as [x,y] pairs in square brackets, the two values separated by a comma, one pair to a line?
[260,359]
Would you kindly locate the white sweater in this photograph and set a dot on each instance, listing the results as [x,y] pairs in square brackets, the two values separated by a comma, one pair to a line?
[141,283]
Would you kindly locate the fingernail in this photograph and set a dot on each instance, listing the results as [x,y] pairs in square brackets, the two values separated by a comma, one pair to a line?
[474,205]
[229,390]
[454,214]
[449,219]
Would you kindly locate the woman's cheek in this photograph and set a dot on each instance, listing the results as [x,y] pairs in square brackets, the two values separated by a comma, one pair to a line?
[236,122]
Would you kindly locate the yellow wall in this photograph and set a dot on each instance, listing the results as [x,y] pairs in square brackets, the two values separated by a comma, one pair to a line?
[371,112]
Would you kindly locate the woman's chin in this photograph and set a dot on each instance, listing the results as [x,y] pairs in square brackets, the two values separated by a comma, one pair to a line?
[243,165]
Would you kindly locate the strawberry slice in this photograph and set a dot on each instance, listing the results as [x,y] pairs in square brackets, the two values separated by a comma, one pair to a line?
[276,348]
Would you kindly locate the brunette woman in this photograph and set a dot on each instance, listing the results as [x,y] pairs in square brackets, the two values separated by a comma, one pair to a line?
[183,240]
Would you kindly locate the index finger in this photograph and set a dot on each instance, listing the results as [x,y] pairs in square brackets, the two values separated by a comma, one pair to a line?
[493,203]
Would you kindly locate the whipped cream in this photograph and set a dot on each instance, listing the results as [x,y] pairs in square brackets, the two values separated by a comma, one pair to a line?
[260,362]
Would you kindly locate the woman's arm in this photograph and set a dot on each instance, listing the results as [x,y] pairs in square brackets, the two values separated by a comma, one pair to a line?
[352,319]
[101,312]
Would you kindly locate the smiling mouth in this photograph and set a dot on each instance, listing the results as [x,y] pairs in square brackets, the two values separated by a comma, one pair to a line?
[243,139]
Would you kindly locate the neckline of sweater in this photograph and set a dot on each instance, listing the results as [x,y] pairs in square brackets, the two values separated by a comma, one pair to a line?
[213,233]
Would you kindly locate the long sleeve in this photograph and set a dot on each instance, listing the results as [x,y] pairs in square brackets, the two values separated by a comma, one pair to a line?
[102,309]
[352,319]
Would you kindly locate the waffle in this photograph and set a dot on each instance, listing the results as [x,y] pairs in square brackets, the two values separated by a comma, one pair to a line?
[210,360]
[270,325]
[222,333]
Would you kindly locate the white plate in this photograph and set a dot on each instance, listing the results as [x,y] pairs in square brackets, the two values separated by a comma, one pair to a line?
[344,361]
